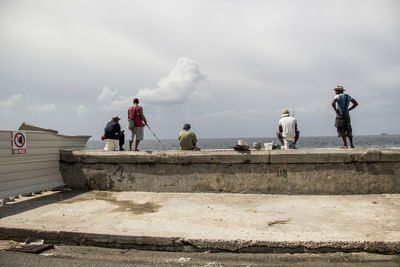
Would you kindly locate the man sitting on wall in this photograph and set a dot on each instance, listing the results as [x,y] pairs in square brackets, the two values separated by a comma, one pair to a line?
[288,133]
[187,138]
[113,131]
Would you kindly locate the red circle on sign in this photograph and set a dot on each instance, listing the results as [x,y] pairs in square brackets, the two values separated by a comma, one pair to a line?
[15,140]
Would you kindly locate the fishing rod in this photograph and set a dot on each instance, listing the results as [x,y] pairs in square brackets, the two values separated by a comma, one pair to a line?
[155,136]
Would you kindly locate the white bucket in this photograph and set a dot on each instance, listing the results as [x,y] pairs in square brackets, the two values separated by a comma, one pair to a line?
[110,145]
[268,146]
[256,146]
[289,144]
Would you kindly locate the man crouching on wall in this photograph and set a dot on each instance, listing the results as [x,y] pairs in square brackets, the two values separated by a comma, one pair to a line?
[187,138]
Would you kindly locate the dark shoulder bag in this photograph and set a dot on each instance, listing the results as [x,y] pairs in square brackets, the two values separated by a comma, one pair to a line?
[132,121]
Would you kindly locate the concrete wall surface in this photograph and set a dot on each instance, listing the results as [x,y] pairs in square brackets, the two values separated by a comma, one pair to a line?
[302,171]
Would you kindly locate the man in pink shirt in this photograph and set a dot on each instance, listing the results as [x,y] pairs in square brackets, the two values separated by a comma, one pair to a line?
[137,121]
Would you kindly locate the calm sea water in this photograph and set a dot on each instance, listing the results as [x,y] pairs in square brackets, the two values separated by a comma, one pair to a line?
[376,141]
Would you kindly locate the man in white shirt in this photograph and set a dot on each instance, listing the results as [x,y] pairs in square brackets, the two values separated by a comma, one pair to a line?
[288,133]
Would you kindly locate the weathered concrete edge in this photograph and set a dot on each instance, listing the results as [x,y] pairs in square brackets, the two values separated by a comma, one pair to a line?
[302,156]
[178,244]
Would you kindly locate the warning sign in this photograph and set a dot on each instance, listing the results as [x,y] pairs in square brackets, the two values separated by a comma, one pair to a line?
[19,142]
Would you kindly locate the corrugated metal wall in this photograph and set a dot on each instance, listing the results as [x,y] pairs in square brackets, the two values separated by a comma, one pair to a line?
[38,169]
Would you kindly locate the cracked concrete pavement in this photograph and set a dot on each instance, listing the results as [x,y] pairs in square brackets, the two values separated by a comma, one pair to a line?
[203,221]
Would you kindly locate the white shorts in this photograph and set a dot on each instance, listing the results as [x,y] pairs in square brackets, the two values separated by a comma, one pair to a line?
[138,131]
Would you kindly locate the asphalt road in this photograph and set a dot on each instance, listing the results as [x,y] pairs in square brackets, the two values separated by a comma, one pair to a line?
[95,256]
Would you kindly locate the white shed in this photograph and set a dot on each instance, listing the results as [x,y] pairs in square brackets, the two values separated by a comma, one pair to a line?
[36,166]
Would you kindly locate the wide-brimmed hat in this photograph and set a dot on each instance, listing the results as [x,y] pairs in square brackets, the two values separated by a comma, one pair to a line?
[339,88]
[242,143]
[285,113]
[115,117]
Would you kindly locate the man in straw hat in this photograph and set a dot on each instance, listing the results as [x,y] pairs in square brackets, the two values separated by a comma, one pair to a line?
[113,131]
[288,133]
[341,104]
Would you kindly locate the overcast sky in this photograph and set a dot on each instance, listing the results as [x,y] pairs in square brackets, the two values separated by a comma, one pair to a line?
[227,67]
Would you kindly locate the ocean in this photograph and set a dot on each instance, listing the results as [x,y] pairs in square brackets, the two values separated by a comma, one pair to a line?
[364,141]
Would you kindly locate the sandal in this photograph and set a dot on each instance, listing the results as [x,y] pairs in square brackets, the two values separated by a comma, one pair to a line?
[343,147]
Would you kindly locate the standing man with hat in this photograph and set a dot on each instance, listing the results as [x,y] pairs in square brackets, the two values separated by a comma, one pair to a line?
[288,133]
[341,104]
[113,131]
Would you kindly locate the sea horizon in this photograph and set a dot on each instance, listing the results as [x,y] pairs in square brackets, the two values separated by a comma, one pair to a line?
[361,141]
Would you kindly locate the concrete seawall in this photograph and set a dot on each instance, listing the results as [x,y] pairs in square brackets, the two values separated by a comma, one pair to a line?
[312,171]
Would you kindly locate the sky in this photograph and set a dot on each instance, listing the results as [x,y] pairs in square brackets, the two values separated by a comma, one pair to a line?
[228,68]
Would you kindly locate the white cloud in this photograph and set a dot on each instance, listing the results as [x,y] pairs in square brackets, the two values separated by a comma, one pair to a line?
[112,100]
[107,94]
[313,108]
[81,111]
[236,113]
[11,102]
[179,86]
[38,108]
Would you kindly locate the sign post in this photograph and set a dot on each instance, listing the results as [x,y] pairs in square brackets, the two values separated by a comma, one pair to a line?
[19,142]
